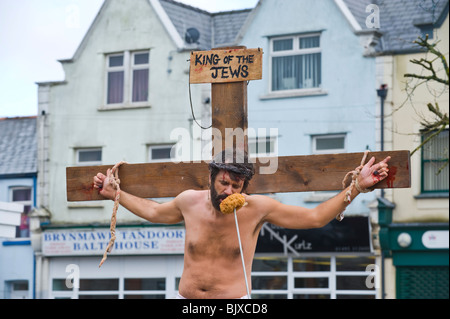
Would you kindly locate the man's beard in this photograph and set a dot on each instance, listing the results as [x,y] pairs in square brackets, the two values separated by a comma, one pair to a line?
[216,199]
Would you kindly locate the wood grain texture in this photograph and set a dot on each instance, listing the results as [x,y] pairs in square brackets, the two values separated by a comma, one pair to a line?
[294,174]
[229,110]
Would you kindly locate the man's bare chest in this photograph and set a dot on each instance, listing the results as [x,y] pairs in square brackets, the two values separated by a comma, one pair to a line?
[212,238]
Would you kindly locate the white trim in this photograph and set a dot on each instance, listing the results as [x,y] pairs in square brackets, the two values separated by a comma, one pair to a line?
[167,23]
[348,15]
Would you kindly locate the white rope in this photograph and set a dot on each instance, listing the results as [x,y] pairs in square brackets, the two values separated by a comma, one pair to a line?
[242,255]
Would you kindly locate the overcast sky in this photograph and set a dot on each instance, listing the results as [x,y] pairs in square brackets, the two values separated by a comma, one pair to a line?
[34,34]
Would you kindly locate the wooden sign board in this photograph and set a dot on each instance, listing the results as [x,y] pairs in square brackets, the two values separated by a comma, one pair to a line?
[225,65]
[10,214]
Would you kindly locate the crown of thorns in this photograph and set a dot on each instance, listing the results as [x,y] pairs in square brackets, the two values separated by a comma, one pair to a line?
[239,169]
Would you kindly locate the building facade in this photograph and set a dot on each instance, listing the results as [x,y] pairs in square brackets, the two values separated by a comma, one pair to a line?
[18,181]
[125,96]
[414,222]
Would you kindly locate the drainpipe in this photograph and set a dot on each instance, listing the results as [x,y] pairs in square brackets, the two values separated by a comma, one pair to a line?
[382,94]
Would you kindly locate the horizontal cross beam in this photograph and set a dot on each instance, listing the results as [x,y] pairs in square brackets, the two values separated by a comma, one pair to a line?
[294,174]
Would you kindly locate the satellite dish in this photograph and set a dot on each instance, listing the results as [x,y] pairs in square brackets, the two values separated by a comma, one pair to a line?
[192,35]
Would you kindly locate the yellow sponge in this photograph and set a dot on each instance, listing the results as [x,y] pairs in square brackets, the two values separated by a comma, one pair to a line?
[231,202]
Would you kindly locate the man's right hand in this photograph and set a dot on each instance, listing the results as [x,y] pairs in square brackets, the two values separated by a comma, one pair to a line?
[102,183]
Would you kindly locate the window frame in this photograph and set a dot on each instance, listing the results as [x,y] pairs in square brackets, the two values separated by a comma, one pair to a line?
[128,68]
[136,67]
[296,51]
[328,151]
[115,69]
[27,206]
[88,163]
[331,275]
[273,140]
[160,146]
[423,162]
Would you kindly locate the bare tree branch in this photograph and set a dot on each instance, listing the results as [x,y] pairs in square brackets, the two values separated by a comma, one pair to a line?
[440,120]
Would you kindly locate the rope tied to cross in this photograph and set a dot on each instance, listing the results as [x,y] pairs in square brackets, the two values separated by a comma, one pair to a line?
[353,184]
[115,183]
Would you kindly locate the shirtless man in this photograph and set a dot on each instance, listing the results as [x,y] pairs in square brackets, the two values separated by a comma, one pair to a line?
[212,263]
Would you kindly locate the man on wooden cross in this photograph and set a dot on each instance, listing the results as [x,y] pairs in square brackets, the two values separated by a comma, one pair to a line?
[212,264]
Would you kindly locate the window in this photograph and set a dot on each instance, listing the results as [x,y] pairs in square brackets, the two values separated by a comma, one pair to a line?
[89,156]
[22,195]
[17,289]
[323,144]
[127,80]
[326,144]
[145,288]
[296,63]
[116,77]
[161,153]
[140,77]
[434,163]
[314,277]
[262,146]
[112,288]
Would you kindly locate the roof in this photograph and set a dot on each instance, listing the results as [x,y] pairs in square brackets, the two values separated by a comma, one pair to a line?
[400,21]
[18,146]
[216,29]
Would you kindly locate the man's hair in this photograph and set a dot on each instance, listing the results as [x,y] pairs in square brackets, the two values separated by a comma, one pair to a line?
[234,162]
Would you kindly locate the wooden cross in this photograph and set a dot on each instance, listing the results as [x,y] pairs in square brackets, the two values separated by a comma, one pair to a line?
[229,69]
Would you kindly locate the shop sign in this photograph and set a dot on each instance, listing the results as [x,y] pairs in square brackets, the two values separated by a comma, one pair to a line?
[437,239]
[129,241]
[352,235]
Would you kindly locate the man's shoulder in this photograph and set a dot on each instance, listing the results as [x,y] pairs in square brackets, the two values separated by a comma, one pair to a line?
[260,201]
[191,194]
[190,198]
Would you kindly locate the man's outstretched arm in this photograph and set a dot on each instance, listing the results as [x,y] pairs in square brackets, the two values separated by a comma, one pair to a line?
[166,213]
[296,217]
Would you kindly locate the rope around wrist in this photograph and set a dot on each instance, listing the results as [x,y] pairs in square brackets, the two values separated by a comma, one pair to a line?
[353,184]
[115,183]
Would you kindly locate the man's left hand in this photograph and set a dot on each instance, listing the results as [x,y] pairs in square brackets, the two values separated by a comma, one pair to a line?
[372,174]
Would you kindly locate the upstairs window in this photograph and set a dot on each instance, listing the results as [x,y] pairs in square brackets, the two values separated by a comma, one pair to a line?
[434,163]
[116,79]
[23,195]
[127,79]
[296,63]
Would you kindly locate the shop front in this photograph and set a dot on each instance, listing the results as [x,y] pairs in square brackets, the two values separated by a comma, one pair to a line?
[336,261]
[333,262]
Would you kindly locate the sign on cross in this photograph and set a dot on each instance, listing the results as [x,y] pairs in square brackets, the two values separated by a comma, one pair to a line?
[228,70]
